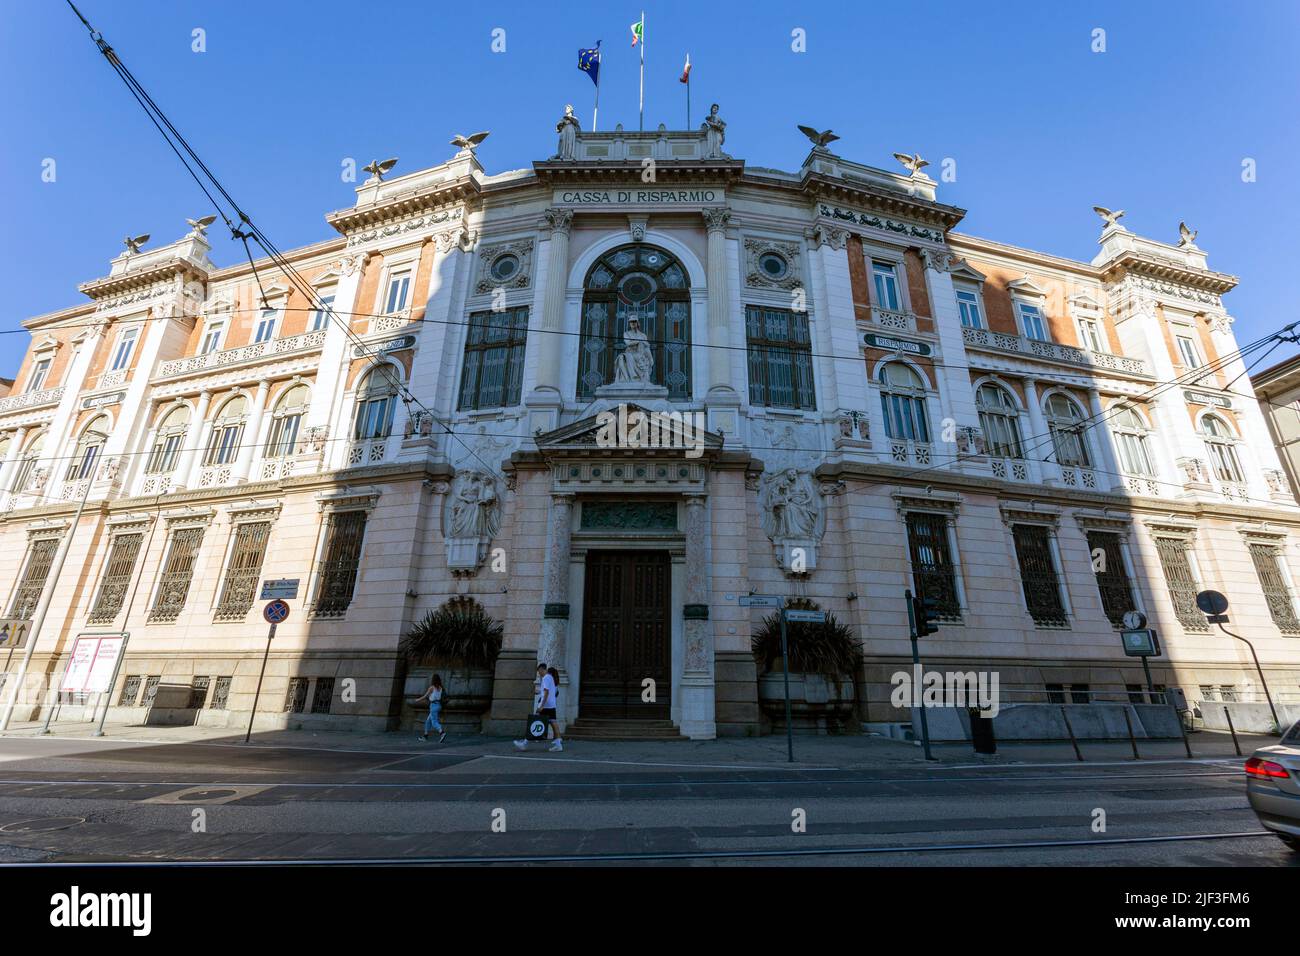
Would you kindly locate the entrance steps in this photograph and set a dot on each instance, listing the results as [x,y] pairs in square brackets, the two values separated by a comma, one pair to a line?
[605,728]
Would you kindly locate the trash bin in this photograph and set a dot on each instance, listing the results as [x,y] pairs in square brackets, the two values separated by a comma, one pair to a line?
[981,732]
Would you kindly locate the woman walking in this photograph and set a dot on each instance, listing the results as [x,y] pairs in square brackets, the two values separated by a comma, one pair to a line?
[434,696]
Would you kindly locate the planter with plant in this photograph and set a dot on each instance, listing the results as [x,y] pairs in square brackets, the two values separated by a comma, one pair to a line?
[460,641]
[824,660]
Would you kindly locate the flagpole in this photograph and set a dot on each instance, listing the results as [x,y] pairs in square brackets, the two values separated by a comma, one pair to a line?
[688,91]
[596,111]
[641,121]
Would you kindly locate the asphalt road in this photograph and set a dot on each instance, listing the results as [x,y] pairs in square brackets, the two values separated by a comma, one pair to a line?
[78,801]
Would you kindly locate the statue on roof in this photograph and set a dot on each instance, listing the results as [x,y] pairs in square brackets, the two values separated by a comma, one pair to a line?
[715,134]
[568,127]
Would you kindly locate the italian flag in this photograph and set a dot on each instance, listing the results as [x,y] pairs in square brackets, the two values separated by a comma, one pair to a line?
[686,71]
[638,31]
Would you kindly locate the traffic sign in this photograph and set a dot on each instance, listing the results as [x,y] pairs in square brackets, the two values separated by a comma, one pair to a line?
[13,631]
[1141,642]
[286,588]
[762,600]
[806,617]
[276,612]
[1212,602]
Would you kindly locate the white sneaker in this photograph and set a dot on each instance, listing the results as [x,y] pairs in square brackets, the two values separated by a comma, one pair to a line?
[557,746]
[521,745]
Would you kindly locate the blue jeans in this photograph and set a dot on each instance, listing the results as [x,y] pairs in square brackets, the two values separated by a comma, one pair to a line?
[435,706]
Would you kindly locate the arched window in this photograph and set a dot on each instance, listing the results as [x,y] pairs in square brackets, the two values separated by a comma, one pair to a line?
[647,283]
[167,441]
[1130,433]
[89,448]
[1000,420]
[902,395]
[1065,421]
[376,402]
[27,465]
[227,432]
[1220,445]
[286,421]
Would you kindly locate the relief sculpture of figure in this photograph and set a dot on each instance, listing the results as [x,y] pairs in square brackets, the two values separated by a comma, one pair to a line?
[473,508]
[637,361]
[791,506]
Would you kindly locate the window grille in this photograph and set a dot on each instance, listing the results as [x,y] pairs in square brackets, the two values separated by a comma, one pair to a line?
[1038,575]
[178,571]
[117,578]
[242,573]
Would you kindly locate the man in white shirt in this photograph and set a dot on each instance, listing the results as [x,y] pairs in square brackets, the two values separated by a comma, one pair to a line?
[546,704]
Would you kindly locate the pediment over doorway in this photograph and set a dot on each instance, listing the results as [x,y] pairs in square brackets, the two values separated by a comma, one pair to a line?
[667,434]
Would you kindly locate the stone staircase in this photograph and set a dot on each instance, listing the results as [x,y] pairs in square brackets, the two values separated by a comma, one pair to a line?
[600,728]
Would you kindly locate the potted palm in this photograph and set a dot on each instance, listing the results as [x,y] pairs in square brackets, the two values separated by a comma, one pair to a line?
[460,641]
[824,661]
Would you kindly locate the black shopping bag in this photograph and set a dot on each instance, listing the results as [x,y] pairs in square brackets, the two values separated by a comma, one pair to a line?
[536,728]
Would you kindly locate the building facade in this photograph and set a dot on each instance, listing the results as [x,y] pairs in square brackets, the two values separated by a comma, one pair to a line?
[851,399]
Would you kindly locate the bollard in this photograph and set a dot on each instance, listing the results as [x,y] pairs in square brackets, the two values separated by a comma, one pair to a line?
[1128,722]
[1179,717]
[1070,730]
[1233,730]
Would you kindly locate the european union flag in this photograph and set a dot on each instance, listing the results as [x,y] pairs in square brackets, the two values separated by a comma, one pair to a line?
[589,62]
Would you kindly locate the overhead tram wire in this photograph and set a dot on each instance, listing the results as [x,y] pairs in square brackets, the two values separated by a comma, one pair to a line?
[157,115]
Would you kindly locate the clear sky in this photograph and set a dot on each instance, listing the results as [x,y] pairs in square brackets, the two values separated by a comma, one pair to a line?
[1041,127]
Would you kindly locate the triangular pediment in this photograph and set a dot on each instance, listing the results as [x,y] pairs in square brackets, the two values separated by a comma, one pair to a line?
[964,270]
[593,433]
[1027,286]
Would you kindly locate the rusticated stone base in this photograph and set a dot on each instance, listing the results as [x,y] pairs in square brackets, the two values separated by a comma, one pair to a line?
[512,693]
[736,683]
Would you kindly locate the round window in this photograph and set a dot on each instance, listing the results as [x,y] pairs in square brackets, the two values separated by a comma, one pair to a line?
[773,265]
[637,287]
[503,267]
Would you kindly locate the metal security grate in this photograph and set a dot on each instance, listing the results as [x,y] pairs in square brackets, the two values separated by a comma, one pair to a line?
[199,692]
[245,568]
[323,698]
[1281,607]
[130,690]
[779,350]
[151,689]
[221,694]
[174,586]
[1112,576]
[494,359]
[39,558]
[117,577]
[338,575]
[1182,583]
[1038,575]
[295,701]
[933,571]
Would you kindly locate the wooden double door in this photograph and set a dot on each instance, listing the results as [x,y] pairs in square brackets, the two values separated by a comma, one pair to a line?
[626,635]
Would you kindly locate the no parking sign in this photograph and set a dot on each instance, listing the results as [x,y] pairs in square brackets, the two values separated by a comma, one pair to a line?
[276,611]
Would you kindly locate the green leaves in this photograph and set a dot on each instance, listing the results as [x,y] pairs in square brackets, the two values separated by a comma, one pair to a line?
[829,648]
[460,633]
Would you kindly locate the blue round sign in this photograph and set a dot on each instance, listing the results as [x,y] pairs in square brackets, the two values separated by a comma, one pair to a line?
[276,611]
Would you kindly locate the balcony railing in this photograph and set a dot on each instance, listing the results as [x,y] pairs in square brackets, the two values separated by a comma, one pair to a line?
[1015,469]
[903,452]
[1018,344]
[390,322]
[111,379]
[273,348]
[892,319]
[46,396]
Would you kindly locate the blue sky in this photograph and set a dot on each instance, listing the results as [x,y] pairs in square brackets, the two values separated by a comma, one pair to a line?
[1041,127]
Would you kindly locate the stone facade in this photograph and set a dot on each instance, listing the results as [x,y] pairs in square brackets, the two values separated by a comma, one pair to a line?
[882,404]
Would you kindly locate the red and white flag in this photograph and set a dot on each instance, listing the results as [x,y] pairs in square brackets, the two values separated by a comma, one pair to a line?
[686,71]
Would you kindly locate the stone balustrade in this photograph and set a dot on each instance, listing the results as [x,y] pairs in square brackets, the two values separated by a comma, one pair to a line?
[46,396]
[1053,352]
[257,351]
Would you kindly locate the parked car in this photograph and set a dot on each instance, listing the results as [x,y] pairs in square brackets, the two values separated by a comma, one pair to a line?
[1273,786]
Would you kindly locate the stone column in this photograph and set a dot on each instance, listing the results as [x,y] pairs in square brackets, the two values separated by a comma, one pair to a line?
[1105,443]
[715,221]
[546,395]
[15,449]
[1038,443]
[191,459]
[252,433]
[698,720]
[956,396]
[551,643]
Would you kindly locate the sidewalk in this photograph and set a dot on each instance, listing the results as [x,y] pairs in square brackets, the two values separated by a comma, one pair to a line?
[856,752]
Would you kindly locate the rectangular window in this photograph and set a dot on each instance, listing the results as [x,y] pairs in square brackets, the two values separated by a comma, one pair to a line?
[779,349]
[40,371]
[934,573]
[243,570]
[283,437]
[24,472]
[323,697]
[1112,576]
[130,691]
[265,330]
[221,694]
[212,338]
[125,346]
[968,303]
[150,689]
[1090,334]
[117,577]
[1080,694]
[199,692]
[295,701]
[84,465]
[177,573]
[1187,350]
[1183,585]
[1272,580]
[494,359]
[338,576]
[398,287]
[1038,575]
[1032,321]
[1056,693]
[162,458]
[885,278]
[40,556]
[223,446]
[1209,692]
[321,317]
